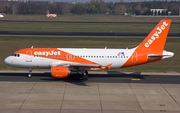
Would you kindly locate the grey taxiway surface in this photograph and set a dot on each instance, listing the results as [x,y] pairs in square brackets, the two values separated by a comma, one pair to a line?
[104,92]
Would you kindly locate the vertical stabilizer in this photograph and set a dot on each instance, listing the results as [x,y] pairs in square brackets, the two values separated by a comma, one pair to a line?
[151,48]
[157,37]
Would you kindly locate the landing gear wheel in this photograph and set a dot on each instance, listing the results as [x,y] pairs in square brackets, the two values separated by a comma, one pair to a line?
[29,75]
[86,72]
[30,72]
[84,77]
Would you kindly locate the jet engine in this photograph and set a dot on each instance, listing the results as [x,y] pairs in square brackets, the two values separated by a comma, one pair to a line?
[59,72]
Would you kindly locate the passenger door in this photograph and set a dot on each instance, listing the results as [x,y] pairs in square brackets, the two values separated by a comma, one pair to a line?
[28,56]
[134,57]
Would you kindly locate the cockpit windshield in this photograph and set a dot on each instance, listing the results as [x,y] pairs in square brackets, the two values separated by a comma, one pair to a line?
[16,55]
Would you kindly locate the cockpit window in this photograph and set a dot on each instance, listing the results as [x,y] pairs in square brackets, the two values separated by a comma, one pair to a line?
[16,55]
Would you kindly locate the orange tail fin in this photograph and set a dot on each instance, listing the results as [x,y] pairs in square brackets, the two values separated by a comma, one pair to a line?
[157,37]
[151,48]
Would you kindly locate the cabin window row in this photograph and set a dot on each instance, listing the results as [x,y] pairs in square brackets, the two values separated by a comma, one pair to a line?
[81,56]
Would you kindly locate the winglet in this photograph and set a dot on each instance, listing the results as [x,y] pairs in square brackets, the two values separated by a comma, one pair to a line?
[107,66]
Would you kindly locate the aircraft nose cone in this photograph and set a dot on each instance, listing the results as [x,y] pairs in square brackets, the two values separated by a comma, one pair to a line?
[7,61]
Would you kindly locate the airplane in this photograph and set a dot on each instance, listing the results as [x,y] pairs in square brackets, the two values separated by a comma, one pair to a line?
[1,16]
[51,15]
[66,61]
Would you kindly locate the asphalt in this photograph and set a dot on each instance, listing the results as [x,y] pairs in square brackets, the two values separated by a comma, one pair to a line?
[89,34]
[104,92]
[95,77]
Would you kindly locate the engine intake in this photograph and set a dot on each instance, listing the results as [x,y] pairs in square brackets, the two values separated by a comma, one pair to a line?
[59,72]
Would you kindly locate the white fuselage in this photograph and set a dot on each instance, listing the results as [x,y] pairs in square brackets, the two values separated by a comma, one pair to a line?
[103,57]
[116,57]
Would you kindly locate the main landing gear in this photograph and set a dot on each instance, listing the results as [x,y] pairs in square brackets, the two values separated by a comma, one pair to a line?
[30,73]
[85,76]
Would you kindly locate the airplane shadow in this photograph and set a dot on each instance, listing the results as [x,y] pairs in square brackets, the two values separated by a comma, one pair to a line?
[110,77]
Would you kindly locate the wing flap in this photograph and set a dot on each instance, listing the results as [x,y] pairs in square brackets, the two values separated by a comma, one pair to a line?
[108,66]
[81,65]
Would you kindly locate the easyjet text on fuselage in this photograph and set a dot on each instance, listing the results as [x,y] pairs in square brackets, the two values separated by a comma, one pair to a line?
[47,53]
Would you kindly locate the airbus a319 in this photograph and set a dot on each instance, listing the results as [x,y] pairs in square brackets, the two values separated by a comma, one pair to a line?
[66,61]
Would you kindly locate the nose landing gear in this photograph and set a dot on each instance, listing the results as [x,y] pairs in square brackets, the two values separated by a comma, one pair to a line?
[30,73]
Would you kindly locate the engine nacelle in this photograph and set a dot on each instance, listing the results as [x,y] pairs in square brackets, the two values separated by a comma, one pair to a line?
[59,72]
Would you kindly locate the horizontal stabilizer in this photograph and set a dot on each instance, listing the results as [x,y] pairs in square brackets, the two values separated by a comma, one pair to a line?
[166,54]
[154,56]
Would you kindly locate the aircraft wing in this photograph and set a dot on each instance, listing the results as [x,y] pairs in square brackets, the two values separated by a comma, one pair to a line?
[73,64]
[80,65]
[87,65]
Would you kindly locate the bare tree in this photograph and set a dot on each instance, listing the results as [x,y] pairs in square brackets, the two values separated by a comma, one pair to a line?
[120,9]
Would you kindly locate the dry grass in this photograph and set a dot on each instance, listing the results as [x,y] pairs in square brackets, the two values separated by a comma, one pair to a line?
[61,27]
[55,26]
[89,18]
